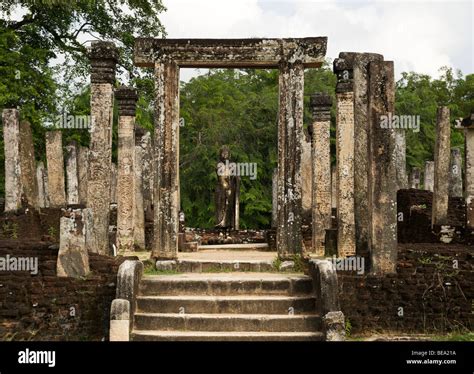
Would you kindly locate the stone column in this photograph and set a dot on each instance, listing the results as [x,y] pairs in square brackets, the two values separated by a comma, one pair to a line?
[321,169]
[333,187]
[55,162]
[82,166]
[382,170]
[28,165]
[468,124]
[140,177]
[360,65]
[415,178]
[73,258]
[345,158]
[42,180]
[72,181]
[290,129]
[11,138]
[113,183]
[455,173]
[441,165]
[103,58]
[400,159]
[306,178]
[275,198]
[428,179]
[126,98]
[166,148]
[148,172]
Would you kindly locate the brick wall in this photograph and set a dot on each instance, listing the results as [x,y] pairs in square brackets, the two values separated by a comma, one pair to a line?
[434,295]
[45,307]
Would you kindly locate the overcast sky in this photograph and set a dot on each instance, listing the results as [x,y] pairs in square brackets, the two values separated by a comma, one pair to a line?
[418,36]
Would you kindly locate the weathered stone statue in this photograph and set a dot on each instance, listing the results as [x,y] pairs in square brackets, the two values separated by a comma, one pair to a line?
[227,193]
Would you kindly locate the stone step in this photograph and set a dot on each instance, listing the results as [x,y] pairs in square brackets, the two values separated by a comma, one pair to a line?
[146,335]
[227,322]
[245,304]
[236,247]
[202,266]
[225,284]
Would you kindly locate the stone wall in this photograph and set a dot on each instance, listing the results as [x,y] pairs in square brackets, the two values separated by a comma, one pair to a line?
[414,216]
[435,297]
[45,307]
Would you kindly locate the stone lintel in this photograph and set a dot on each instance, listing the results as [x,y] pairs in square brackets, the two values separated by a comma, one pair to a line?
[228,53]
[127,100]
[103,57]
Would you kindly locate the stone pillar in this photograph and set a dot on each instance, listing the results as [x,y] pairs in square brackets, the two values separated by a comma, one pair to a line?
[441,165]
[468,124]
[306,178]
[148,172]
[11,138]
[82,162]
[455,173]
[415,178]
[28,165]
[126,98]
[428,179]
[333,187]
[73,258]
[345,158]
[113,183]
[140,178]
[321,169]
[72,180]
[103,58]
[400,159]
[290,129]
[55,162]
[360,65]
[382,170]
[166,148]
[275,198]
[42,180]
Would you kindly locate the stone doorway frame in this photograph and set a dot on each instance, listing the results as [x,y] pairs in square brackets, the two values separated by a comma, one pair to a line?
[290,57]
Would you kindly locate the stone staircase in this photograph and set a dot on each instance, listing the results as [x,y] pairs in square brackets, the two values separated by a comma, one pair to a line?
[237,306]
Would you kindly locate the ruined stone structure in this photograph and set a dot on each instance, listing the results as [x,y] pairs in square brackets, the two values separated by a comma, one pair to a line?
[73,258]
[72,173]
[428,176]
[290,56]
[142,176]
[29,183]
[455,173]
[382,171]
[468,124]
[42,180]
[11,138]
[103,57]
[345,158]
[367,178]
[441,167]
[126,98]
[82,165]
[415,178]
[55,164]
[321,170]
